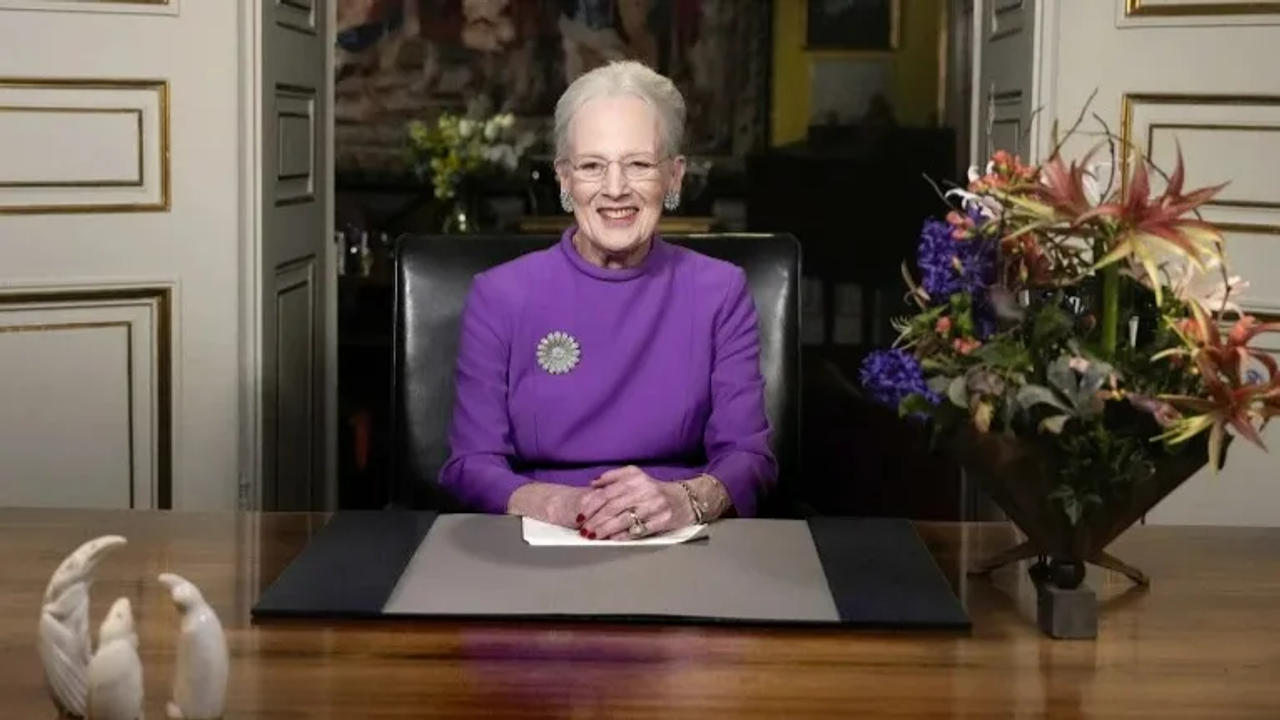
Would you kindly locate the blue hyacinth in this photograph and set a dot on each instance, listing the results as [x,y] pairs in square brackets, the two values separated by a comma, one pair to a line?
[949,265]
[891,375]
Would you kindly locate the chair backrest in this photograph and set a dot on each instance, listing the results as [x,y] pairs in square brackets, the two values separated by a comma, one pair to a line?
[433,276]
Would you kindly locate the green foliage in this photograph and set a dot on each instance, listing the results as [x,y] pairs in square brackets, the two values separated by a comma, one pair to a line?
[915,404]
[1005,353]
[455,149]
[1051,327]
[1100,468]
[919,327]
[962,314]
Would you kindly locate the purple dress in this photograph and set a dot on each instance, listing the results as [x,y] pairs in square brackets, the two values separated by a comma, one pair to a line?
[667,377]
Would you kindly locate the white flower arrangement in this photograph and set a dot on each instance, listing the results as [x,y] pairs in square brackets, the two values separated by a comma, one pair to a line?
[456,148]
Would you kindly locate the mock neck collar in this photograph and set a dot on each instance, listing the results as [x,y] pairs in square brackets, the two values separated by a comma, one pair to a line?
[651,259]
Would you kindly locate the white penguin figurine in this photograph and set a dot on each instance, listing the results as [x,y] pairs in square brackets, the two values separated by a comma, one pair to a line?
[200,677]
[115,672]
[63,634]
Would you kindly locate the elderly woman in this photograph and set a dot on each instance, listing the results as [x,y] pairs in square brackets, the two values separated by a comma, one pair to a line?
[611,383]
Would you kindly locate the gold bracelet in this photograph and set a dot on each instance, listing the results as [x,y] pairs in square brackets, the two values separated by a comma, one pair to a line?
[698,513]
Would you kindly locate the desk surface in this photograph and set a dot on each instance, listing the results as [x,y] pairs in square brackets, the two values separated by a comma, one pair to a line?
[1204,641]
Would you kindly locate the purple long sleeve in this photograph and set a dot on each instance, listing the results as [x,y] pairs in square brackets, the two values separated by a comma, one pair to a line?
[737,434]
[667,377]
[479,468]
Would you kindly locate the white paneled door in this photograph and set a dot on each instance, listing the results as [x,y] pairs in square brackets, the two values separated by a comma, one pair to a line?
[1163,73]
[142,236]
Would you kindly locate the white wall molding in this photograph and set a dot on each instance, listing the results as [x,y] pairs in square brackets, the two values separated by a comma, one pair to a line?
[1218,134]
[109,7]
[84,145]
[1195,13]
[1044,97]
[88,417]
[179,55]
[250,317]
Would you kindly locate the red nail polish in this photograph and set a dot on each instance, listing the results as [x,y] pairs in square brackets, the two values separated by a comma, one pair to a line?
[591,536]
[581,517]
[583,533]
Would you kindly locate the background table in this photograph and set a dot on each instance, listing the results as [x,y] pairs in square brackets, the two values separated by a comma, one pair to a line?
[1204,641]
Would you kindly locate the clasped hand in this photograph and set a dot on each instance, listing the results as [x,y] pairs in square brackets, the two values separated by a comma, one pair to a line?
[604,510]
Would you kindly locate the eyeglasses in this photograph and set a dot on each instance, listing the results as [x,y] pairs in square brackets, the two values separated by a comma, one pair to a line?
[593,169]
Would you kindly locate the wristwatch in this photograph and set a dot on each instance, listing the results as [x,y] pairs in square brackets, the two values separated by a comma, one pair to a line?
[700,509]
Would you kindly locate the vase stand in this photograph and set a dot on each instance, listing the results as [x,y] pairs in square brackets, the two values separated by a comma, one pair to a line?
[1027,549]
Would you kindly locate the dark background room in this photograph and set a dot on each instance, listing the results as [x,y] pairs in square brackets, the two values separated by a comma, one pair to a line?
[829,121]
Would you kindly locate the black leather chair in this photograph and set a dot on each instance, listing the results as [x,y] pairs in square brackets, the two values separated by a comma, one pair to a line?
[433,275]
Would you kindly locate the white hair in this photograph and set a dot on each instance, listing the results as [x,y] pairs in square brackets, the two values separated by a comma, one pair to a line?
[624,77]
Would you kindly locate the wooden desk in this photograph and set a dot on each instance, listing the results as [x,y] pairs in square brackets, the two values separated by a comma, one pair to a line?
[1203,642]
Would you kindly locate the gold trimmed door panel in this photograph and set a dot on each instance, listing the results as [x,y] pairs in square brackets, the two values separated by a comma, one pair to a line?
[120,230]
[86,377]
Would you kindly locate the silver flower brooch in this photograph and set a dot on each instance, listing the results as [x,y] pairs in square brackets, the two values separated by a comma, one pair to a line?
[558,353]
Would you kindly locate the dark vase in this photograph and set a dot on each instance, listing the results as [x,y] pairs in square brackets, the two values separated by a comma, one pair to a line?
[1019,474]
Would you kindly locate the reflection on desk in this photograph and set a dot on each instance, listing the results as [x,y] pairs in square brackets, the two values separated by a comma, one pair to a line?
[1200,643]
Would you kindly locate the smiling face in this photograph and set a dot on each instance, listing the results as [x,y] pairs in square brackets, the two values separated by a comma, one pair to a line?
[617,175]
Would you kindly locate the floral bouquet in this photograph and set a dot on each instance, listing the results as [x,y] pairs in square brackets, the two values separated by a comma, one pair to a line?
[456,152]
[1066,314]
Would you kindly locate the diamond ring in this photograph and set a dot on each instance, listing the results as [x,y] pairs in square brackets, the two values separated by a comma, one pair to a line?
[638,528]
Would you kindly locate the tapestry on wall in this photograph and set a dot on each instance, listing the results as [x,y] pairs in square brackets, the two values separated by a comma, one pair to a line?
[403,59]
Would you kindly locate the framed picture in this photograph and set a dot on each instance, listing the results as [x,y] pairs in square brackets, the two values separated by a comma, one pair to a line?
[399,60]
[853,25]
[844,90]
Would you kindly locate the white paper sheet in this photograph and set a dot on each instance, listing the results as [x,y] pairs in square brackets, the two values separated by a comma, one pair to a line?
[544,534]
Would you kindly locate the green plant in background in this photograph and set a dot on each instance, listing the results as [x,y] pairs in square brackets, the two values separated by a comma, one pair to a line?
[459,153]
